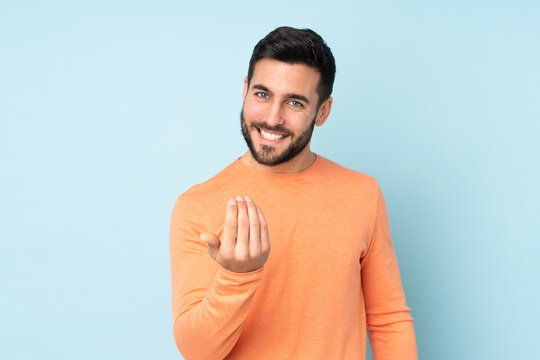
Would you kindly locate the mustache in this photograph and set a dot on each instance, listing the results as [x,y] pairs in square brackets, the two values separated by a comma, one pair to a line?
[277,128]
[261,125]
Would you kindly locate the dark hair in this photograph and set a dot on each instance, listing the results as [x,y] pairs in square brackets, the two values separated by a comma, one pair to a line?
[298,46]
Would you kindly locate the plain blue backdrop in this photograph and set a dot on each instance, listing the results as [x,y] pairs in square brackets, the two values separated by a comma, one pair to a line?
[110,109]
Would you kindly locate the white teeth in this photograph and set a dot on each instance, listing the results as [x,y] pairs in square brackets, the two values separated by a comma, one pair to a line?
[270,136]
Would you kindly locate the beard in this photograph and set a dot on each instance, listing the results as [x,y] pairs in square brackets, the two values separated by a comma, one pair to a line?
[267,154]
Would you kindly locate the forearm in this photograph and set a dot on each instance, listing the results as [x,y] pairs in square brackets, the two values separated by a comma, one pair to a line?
[392,337]
[389,323]
[210,328]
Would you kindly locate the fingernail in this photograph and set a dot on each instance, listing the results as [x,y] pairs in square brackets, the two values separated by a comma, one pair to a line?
[247,198]
[239,198]
[232,202]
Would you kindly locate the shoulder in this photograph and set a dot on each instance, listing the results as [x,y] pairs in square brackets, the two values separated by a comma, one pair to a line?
[348,177]
[209,196]
[214,183]
[204,203]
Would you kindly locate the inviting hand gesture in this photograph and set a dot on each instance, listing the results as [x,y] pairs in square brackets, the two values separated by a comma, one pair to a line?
[245,244]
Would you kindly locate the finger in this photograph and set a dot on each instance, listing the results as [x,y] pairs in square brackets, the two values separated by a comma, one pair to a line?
[228,240]
[242,238]
[254,228]
[213,243]
[265,239]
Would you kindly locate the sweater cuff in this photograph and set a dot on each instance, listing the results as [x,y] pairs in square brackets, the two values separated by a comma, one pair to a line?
[228,277]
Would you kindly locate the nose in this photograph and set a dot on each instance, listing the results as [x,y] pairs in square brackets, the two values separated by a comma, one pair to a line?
[274,114]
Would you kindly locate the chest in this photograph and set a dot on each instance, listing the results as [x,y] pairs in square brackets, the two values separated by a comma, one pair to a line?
[319,237]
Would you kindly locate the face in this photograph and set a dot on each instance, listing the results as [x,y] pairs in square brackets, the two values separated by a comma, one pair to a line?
[280,111]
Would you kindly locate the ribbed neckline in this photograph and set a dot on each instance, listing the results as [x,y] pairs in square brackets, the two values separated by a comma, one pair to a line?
[304,172]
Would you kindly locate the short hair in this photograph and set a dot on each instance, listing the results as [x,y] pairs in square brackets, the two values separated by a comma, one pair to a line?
[298,46]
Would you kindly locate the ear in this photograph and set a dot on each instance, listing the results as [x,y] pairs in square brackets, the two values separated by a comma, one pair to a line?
[245,88]
[324,111]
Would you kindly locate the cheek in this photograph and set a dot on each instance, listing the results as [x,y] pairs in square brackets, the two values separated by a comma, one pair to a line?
[253,110]
[298,122]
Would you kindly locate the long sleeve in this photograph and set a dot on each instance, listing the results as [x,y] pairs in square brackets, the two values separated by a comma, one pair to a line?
[209,303]
[389,323]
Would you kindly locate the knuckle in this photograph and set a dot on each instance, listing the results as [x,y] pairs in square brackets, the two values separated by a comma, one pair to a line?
[265,248]
[227,255]
[242,256]
[255,252]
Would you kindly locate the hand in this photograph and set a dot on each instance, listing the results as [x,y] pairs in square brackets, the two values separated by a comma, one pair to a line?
[245,244]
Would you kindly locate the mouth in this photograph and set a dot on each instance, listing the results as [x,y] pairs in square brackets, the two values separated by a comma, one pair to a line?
[270,137]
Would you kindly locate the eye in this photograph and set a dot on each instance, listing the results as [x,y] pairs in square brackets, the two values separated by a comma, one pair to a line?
[262,95]
[296,103]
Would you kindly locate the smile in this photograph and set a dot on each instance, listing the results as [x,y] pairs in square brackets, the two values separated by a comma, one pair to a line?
[270,137]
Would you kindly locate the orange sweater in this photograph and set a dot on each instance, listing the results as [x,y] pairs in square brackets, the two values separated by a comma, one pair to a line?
[330,276]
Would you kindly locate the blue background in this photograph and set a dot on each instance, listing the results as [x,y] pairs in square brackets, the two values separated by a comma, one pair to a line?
[110,109]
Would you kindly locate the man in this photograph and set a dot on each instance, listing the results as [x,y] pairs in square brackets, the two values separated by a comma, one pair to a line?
[285,254]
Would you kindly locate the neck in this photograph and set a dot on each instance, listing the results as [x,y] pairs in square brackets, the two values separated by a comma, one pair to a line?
[297,164]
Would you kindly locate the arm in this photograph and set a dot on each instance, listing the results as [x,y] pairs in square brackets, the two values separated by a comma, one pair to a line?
[210,302]
[389,323]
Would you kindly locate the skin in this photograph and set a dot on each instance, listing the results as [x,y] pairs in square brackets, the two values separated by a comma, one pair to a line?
[281,99]
[245,244]
[277,109]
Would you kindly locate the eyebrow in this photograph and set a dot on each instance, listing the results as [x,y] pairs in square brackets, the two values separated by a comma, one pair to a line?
[289,96]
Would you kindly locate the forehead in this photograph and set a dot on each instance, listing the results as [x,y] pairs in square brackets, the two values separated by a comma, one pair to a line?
[281,77]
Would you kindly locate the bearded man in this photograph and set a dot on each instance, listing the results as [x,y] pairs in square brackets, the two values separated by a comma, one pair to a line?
[285,254]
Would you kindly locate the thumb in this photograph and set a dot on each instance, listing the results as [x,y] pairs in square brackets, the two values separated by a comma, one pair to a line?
[213,243]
